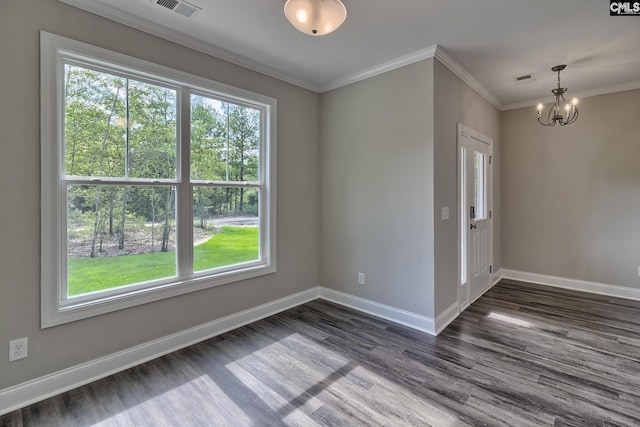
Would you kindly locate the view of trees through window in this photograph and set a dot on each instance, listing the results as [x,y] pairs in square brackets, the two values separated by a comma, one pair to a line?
[122,178]
[225,149]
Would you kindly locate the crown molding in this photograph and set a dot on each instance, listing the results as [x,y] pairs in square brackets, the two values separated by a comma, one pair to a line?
[434,51]
[464,75]
[583,94]
[92,6]
[101,9]
[393,64]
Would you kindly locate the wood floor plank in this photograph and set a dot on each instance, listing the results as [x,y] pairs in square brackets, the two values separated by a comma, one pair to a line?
[13,419]
[522,355]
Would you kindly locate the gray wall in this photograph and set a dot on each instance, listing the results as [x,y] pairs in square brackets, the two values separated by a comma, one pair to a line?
[455,102]
[571,195]
[388,167]
[377,188]
[68,345]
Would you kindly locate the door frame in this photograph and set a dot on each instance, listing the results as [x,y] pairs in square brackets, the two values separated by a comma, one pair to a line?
[464,133]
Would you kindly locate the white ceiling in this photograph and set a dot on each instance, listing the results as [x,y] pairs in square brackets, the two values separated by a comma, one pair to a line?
[494,41]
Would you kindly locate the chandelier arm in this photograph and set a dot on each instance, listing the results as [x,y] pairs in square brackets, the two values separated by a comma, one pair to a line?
[570,119]
[551,120]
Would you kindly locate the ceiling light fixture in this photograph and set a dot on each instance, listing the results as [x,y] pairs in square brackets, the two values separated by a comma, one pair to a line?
[315,17]
[562,111]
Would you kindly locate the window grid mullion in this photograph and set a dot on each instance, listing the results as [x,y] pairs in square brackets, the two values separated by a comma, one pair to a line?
[119,182]
[226,184]
[184,208]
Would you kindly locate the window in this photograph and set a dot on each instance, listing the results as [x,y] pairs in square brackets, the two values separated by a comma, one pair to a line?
[154,182]
[479,185]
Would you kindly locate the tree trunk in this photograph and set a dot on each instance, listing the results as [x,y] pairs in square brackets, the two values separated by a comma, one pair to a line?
[241,207]
[202,211]
[166,226]
[111,213]
[98,196]
[94,237]
[123,218]
[153,221]
[101,231]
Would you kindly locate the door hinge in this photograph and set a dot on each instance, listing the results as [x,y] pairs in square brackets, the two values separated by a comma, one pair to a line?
[489,214]
[491,269]
[490,159]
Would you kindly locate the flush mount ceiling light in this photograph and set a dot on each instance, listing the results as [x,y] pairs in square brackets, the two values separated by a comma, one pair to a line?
[562,111]
[315,17]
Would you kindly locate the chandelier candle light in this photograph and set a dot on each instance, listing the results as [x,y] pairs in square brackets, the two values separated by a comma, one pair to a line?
[315,17]
[562,111]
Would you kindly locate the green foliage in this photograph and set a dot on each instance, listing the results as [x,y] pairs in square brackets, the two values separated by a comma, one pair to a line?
[233,245]
[97,274]
[118,127]
[152,131]
[225,141]
[121,128]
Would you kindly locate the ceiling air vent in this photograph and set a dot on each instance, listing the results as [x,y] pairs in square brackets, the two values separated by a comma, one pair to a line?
[525,79]
[182,7]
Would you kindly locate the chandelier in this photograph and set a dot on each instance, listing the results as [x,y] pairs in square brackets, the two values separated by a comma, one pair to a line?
[562,112]
[315,17]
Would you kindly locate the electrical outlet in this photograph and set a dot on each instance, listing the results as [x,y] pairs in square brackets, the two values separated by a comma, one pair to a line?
[18,349]
[360,278]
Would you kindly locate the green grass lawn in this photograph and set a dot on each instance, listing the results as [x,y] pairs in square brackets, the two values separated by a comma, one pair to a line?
[232,245]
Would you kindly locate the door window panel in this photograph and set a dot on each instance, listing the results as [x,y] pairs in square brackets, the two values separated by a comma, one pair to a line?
[479,185]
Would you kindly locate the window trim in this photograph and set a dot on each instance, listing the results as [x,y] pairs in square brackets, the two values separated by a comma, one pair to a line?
[56,308]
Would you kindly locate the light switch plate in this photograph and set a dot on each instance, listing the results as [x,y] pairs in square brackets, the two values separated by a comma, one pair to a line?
[445,213]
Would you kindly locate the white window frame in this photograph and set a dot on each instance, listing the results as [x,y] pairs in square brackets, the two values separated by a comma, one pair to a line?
[56,307]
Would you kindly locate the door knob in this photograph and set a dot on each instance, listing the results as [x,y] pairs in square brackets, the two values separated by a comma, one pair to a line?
[473,226]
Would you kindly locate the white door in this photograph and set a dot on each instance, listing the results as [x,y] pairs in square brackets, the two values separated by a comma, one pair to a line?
[476,234]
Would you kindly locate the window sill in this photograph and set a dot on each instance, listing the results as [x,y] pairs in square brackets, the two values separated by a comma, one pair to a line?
[78,310]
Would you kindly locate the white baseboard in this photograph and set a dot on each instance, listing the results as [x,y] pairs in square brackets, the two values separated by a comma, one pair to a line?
[24,394]
[407,318]
[573,284]
[449,315]
[497,276]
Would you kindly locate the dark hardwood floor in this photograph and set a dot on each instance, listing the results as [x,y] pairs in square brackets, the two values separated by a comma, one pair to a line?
[522,355]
